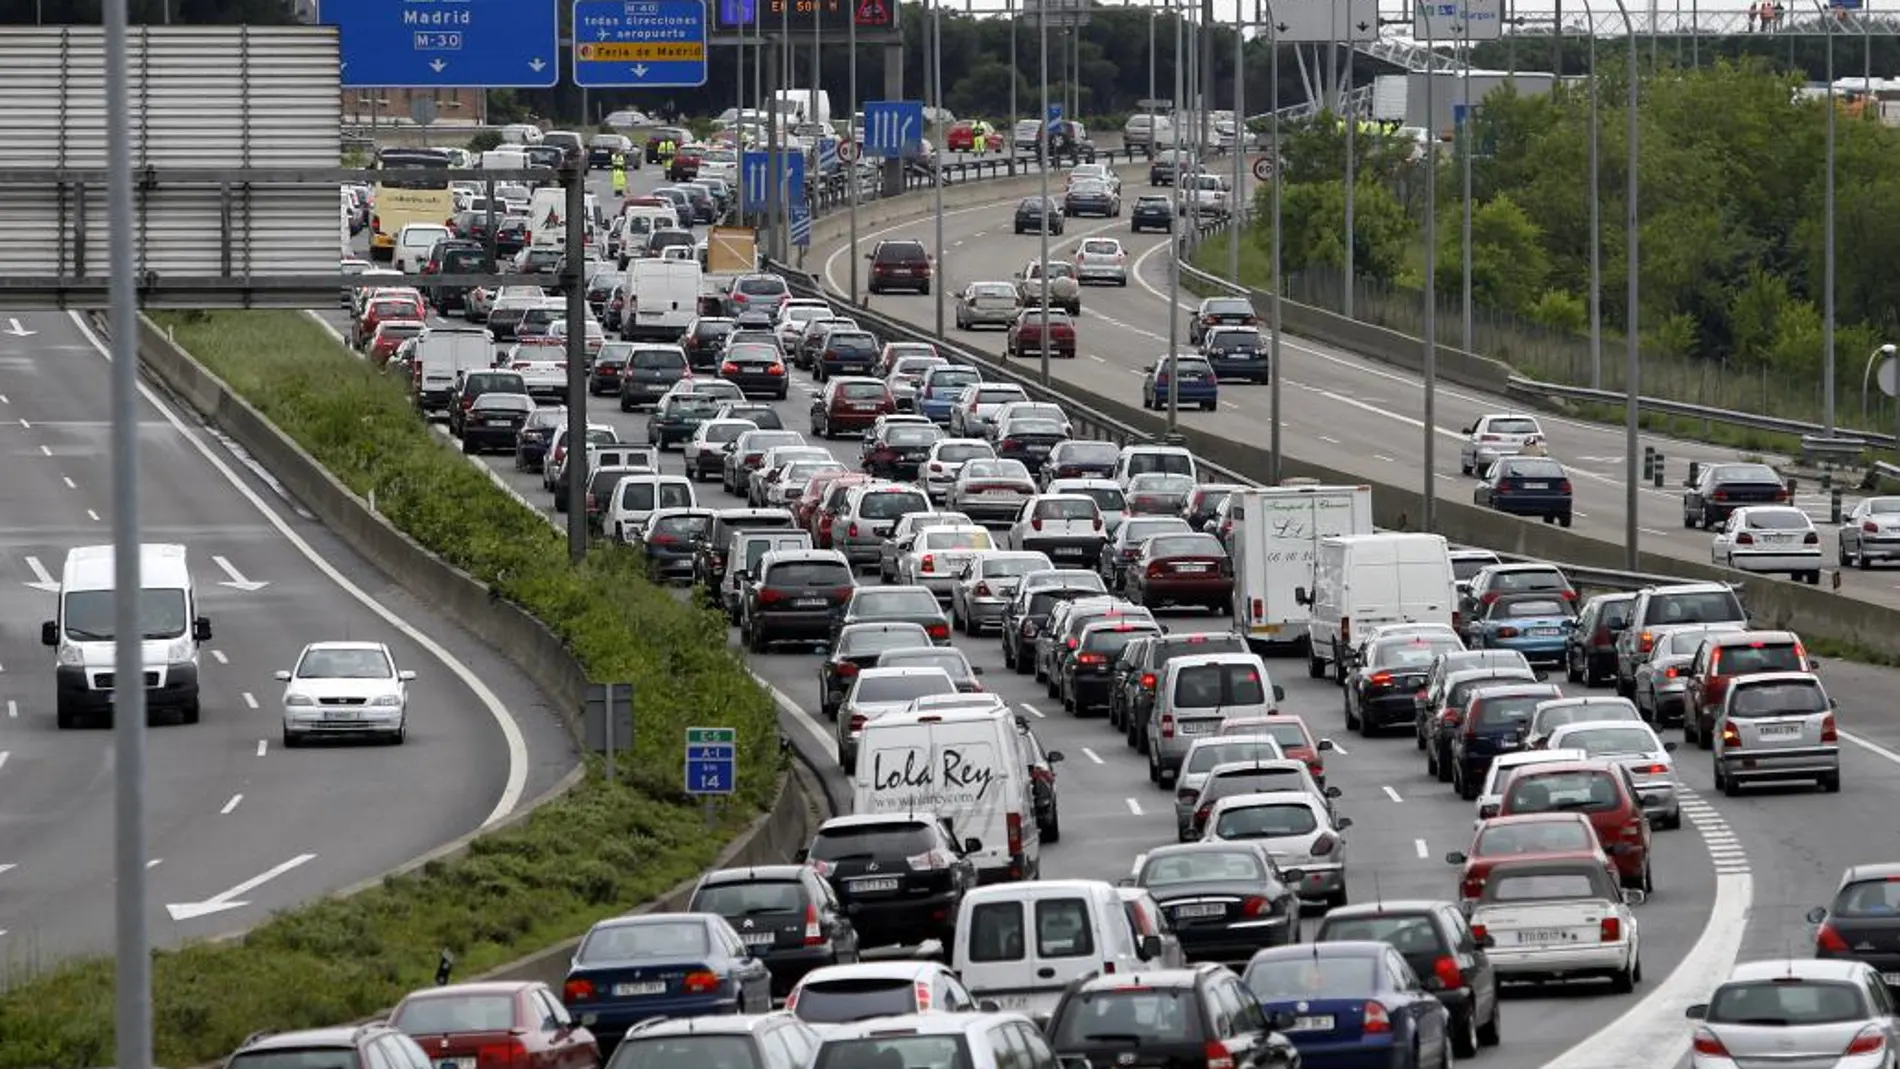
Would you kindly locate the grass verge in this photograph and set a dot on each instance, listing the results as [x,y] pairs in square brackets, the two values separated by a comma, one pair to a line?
[595,852]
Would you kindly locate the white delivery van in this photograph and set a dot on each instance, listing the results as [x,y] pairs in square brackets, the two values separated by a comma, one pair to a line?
[967,767]
[1276,536]
[665,297]
[82,635]
[547,218]
[505,159]
[1362,581]
[443,356]
[1021,944]
[521,133]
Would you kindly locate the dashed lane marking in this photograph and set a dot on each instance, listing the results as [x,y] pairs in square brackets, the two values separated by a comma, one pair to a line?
[1033,711]
[250,700]
[230,805]
[218,656]
[1133,806]
[68,480]
[263,745]
[1392,794]
[1093,756]
[1423,850]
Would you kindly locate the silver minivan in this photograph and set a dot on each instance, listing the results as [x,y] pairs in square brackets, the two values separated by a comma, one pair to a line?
[870,514]
[1776,726]
[1192,698]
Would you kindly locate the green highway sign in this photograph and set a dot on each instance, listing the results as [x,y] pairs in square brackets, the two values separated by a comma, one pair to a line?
[712,736]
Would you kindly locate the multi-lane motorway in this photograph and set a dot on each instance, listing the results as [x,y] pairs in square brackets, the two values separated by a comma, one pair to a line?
[227,804]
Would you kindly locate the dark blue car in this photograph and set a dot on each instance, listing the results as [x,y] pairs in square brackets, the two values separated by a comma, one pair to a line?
[1199,385]
[632,969]
[1238,353]
[1494,723]
[1354,1005]
[1527,486]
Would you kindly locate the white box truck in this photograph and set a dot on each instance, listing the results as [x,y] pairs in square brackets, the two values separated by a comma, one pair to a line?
[443,356]
[1276,536]
[1363,581]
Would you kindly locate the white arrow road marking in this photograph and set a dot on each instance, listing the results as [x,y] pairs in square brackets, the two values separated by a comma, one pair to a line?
[220,657]
[155,862]
[42,579]
[1392,794]
[236,580]
[4,869]
[223,900]
[14,328]
[13,709]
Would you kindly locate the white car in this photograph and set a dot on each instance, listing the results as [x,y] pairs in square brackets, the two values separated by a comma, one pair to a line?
[794,315]
[1106,493]
[946,458]
[905,531]
[987,585]
[415,243]
[1101,260]
[1494,437]
[991,491]
[977,406]
[1491,795]
[545,380]
[938,555]
[1649,761]
[1769,538]
[1568,919]
[1029,410]
[706,449]
[345,688]
[1066,527]
[1098,172]
[787,485]
[1297,831]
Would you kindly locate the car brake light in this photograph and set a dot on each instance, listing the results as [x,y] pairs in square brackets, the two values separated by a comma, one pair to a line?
[1255,905]
[1478,932]
[1730,736]
[1377,1021]
[938,631]
[1445,971]
[1381,679]
[1870,527]
[1870,1040]
[1646,641]
[922,991]
[1829,940]
[1091,658]
[700,982]
[1812,539]
[1508,632]
[1167,727]
[1782,494]
[1147,681]
[1323,846]
[856,723]
[1610,929]
[1218,1057]
[852,531]
[1707,1043]
[1744,539]
[847,669]
[1829,733]
[582,990]
[1489,597]
[512,1054]
[1651,770]
[1014,834]
[1073,643]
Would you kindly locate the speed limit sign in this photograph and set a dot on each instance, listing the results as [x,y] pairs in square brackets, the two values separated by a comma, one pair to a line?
[848,151]
[1263,168]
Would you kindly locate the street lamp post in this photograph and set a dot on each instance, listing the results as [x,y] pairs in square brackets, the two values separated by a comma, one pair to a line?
[1010,7]
[1463,129]
[1273,305]
[1351,117]
[1044,136]
[938,284]
[851,165]
[1632,401]
[1429,508]
[1827,253]
[1175,236]
[1237,204]
[1888,350]
[1596,216]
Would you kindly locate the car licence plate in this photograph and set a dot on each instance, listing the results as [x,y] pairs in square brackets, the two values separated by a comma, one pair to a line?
[760,939]
[1197,727]
[1546,631]
[655,987]
[1191,567]
[1542,935]
[1211,909]
[1536,486]
[1312,1024]
[455,1063]
[1778,731]
[1069,551]
[810,603]
[1036,447]
[885,883]
[339,714]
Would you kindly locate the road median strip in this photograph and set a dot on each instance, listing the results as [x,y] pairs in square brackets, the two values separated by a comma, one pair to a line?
[507,898]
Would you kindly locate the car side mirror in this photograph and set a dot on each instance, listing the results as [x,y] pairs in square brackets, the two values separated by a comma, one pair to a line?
[1292,875]
[1054,757]
[1833,703]
[976,669]
[1324,744]
[1279,695]
[1669,747]
[1150,947]
[1455,857]
[1817,915]
[869,255]
[281,676]
[201,630]
[1487,810]
[1697,1012]
[801,855]
[49,633]
[990,1005]
[972,845]
[1343,822]
[1633,897]
[406,676]
[1333,792]
[1301,597]
[1469,430]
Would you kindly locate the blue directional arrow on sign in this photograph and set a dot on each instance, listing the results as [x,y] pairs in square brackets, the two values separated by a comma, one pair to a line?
[893,127]
[426,44]
[758,176]
[658,44]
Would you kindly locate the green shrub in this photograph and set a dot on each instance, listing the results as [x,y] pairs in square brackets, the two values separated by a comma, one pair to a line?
[594,852]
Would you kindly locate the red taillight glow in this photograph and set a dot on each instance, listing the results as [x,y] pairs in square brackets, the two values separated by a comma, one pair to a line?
[1377,1020]
[1478,932]
[577,991]
[814,930]
[938,631]
[1167,732]
[1829,940]
[1829,731]
[1447,972]
[1147,681]
[1869,1041]
[700,983]
[512,1054]
[847,669]
[1218,1056]
[1255,905]
[1610,929]
[1707,1044]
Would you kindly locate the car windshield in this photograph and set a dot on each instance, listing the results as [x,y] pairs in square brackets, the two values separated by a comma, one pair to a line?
[88,615]
[1787,1002]
[1791,698]
[1550,792]
[1201,866]
[653,939]
[857,641]
[895,603]
[428,1015]
[344,664]
[1274,821]
[903,688]
[1157,1015]
[1605,741]
[1535,837]
[1312,976]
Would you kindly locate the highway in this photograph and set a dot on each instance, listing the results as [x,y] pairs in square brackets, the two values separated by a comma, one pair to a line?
[226,803]
[1339,410]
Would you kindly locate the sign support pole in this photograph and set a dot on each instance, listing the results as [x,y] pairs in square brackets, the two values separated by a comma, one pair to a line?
[851,165]
[572,276]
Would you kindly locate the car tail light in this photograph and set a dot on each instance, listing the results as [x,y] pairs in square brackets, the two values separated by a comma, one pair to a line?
[1377,1021]
[1610,929]
[934,466]
[851,531]
[1651,770]
[1098,523]
[1719,495]
[982,590]
[1218,1057]
[1015,836]
[1167,730]
[1870,527]
[1744,539]
[1156,569]
[1829,732]
[938,631]
[1255,905]
[1782,494]
[1646,641]
[1452,717]
[1730,736]
[1381,679]
[511,1054]
[1323,846]
[847,669]
[728,368]
[775,369]
[1670,673]
[1812,539]
[1708,1044]
[1445,971]
[1563,486]
[582,990]
[1870,1040]
[930,562]
[1186,795]
[1489,597]
[856,723]
[700,982]
[1508,632]
[1828,940]
[1147,681]
[1091,658]
[1073,643]
[768,596]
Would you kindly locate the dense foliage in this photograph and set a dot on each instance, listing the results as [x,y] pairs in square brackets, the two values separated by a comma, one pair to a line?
[594,852]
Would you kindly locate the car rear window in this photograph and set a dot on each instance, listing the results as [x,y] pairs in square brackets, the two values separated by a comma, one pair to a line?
[895,603]
[906,839]
[635,942]
[1526,608]
[1201,865]
[657,359]
[855,642]
[1552,792]
[1266,821]
[761,287]
[861,390]
[1506,711]
[640,496]
[1542,886]
[1749,658]
[1198,545]
[1159,1015]
[809,573]
[1313,977]
[1204,758]
[910,436]
[435,1014]
[855,998]
[1535,838]
[1066,510]
[1693,607]
[671,1052]
[1170,463]
[1792,698]
[903,688]
[1205,686]
[1408,934]
[1787,1002]
[959,452]
[306,1058]
[890,504]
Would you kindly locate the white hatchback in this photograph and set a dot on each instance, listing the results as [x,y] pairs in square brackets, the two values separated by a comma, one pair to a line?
[1101,260]
[347,689]
[1769,538]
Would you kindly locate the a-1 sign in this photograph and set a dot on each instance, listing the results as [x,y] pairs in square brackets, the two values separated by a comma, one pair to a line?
[712,756]
[424,44]
[1322,21]
[657,44]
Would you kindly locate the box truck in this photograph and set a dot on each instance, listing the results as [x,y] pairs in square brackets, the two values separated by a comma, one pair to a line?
[1275,547]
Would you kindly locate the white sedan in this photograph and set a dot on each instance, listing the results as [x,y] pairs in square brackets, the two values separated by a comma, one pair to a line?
[346,688]
[1555,919]
[938,555]
[1769,538]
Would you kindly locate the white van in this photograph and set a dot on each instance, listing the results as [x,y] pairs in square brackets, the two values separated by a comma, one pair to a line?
[547,218]
[665,295]
[1362,581]
[1276,535]
[505,159]
[442,356]
[1195,695]
[965,766]
[82,635]
[414,243]
[636,497]
[1020,944]
[1143,459]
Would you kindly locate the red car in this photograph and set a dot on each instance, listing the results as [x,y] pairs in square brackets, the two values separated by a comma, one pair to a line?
[961,137]
[1599,791]
[1183,569]
[1528,837]
[380,309]
[389,336]
[824,515]
[850,404]
[1295,739]
[1025,335]
[505,1025]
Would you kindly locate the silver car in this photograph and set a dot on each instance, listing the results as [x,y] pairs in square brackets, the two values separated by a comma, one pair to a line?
[1203,756]
[1551,715]
[986,584]
[1828,1013]
[938,556]
[987,304]
[953,661]
[877,691]
[991,491]
[1649,761]
[1494,437]
[905,531]
[946,459]
[1298,832]
[871,511]
[1776,726]
[1662,680]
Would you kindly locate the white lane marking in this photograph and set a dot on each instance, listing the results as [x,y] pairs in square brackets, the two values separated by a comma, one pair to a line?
[1653,531]
[218,656]
[24,425]
[1382,456]
[94,516]
[6,868]
[5,400]
[1093,756]
[250,700]
[1133,806]
[1340,750]
[1033,711]
[1392,794]
[263,746]
[1423,850]
[46,450]
[155,862]
[230,805]
[517,782]
[1097,359]
[4,754]
[70,485]
[1329,439]
[13,709]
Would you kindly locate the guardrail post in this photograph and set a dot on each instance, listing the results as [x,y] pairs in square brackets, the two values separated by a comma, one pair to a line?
[1794,487]
[1649,462]
[1834,505]
[1656,477]
[1827,481]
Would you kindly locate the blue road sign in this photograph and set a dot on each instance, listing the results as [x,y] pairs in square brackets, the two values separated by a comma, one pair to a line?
[801,223]
[737,12]
[758,175]
[827,155]
[424,44]
[893,127]
[712,759]
[711,777]
[657,44]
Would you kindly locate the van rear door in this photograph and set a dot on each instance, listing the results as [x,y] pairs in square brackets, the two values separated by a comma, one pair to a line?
[1023,949]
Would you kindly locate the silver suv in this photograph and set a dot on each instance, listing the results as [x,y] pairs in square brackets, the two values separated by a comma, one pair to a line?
[1670,606]
[870,514]
[1777,726]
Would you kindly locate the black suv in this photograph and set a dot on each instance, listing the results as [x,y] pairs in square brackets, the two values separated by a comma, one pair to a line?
[1036,213]
[369,1044]
[453,257]
[785,914]
[1590,648]
[1214,1011]
[1026,616]
[796,593]
[1435,941]
[1152,211]
[1138,670]
[858,647]
[899,265]
[871,863]
[473,385]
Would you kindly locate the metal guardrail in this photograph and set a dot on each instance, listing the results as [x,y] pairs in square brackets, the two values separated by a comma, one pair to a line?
[833,189]
[1093,423]
[1525,387]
